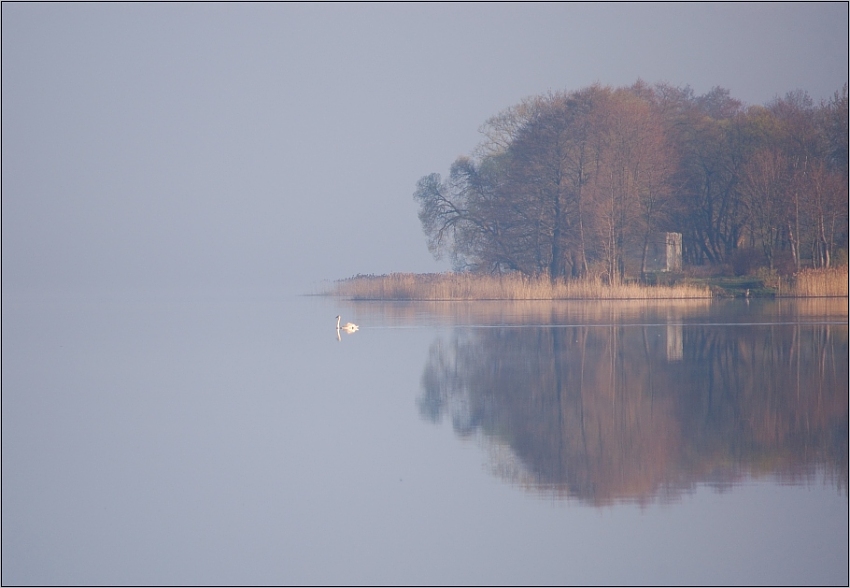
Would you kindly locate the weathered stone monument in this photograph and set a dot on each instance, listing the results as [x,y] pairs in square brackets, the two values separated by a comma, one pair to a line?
[664,253]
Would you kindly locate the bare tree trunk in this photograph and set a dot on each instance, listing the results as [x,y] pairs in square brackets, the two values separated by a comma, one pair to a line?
[794,245]
[643,256]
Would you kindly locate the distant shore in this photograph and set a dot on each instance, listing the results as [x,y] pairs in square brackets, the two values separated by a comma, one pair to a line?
[467,286]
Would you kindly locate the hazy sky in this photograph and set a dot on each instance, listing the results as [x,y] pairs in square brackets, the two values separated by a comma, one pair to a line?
[152,146]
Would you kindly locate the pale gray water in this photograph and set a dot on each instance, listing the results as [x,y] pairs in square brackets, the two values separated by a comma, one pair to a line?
[220,439]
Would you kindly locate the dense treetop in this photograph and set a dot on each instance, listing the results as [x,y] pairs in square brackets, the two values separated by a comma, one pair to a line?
[576,183]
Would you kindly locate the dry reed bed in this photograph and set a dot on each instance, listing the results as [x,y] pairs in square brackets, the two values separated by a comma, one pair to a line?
[457,286]
[819,282]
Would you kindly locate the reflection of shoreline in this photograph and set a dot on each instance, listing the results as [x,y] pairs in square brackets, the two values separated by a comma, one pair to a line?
[607,413]
[576,312]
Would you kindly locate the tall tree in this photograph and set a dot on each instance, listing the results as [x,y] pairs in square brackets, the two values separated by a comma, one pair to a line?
[632,185]
[710,145]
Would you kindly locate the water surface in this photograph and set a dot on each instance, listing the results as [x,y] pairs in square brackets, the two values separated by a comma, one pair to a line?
[236,439]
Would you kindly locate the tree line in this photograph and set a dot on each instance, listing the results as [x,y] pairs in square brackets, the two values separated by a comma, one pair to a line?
[572,184]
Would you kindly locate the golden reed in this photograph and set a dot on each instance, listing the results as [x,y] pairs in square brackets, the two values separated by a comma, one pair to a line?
[818,282]
[462,286]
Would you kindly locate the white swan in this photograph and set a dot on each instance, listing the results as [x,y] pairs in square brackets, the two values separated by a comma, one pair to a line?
[347,327]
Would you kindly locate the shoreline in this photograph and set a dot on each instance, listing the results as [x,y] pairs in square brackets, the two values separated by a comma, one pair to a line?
[451,286]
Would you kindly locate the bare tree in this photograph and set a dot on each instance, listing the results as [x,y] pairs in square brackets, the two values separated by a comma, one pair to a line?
[764,186]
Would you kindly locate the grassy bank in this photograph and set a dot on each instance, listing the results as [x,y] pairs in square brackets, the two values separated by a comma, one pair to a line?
[461,286]
[809,283]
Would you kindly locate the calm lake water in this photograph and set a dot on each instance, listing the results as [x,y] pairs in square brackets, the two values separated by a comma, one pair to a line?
[235,439]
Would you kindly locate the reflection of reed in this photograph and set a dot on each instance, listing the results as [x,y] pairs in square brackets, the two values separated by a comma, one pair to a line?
[573,312]
[525,312]
[601,413]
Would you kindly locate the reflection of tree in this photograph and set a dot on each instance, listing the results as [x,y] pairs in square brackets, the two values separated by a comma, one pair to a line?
[603,414]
